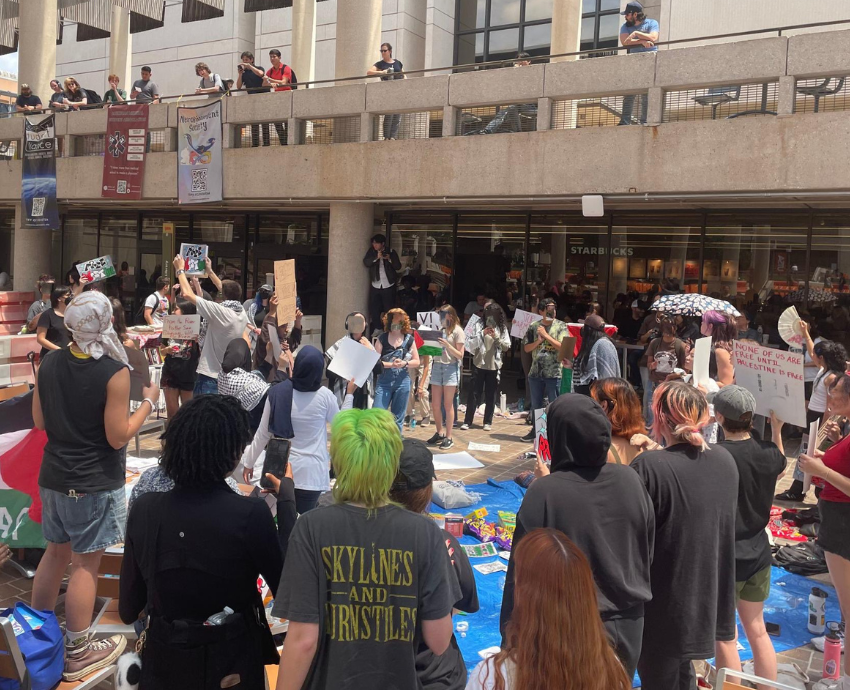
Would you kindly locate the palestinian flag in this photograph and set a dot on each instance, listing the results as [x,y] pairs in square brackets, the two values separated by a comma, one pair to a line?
[574,330]
[426,342]
[21,450]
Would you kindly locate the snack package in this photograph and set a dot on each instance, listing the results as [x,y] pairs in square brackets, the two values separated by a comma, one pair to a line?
[454,524]
[481,529]
[475,514]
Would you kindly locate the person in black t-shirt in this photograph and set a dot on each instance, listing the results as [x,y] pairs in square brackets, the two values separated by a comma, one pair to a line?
[412,489]
[365,582]
[392,69]
[51,333]
[759,464]
[27,102]
[57,99]
[251,78]
[694,490]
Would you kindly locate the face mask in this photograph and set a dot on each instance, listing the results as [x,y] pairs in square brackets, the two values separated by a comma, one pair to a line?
[356,324]
[395,327]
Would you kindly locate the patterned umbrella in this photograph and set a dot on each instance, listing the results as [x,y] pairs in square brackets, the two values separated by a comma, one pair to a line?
[815,295]
[692,304]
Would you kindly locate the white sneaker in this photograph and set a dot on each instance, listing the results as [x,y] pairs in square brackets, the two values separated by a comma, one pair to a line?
[464,427]
[828,684]
[487,427]
[818,643]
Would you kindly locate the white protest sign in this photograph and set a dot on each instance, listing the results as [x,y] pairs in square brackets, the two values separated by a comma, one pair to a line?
[431,319]
[181,327]
[522,320]
[274,340]
[470,325]
[353,361]
[93,270]
[196,257]
[775,378]
[811,447]
[456,461]
[702,355]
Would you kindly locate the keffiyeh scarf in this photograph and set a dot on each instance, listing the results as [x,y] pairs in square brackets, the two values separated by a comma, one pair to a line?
[89,319]
[248,387]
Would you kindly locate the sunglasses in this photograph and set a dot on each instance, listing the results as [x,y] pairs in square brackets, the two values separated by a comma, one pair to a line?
[384,50]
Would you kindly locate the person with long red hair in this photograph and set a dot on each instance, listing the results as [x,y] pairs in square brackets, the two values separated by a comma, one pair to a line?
[555,638]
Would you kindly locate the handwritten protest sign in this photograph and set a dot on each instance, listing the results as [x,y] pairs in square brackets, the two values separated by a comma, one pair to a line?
[94,270]
[470,325]
[196,257]
[428,318]
[285,289]
[775,378]
[181,327]
[522,320]
[702,357]
[353,361]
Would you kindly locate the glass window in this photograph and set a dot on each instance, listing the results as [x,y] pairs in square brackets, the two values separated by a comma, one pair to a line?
[470,48]
[295,232]
[537,39]
[79,242]
[220,228]
[829,267]
[570,253]
[471,14]
[152,228]
[538,9]
[424,245]
[588,6]
[503,44]
[504,12]
[609,30]
[588,26]
[118,239]
[600,24]
[605,5]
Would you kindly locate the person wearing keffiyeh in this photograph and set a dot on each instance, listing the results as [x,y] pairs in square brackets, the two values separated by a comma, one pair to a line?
[237,379]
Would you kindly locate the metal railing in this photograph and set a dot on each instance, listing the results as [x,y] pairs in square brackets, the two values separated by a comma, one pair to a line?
[497,119]
[600,111]
[721,102]
[422,125]
[262,134]
[822,95]
[332,130]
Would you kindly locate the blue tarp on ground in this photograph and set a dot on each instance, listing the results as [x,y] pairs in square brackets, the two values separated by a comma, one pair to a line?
[787,605]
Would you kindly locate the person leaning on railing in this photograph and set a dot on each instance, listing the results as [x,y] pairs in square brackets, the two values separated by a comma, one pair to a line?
[74,95]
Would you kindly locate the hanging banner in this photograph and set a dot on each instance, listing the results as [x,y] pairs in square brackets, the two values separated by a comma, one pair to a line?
[199,159]
[38,184]
[126,144]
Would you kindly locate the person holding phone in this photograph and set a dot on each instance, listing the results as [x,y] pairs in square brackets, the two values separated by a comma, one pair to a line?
[300,409]
[383,265]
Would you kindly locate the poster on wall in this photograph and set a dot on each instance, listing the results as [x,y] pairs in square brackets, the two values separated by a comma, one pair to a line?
[38,183]
[126,145]
[199,163]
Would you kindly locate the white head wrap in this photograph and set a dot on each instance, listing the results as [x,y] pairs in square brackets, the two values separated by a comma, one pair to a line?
[89,318]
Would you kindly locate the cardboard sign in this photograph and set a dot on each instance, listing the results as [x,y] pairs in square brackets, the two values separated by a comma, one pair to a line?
[94,270]
[568,348]
[522,320]
[431,319]
[470,325]
[353,361]
[185,327]
[286,290]
[196,257]
[775,378]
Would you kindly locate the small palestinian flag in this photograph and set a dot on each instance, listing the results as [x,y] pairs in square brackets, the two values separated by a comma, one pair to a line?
[426,342]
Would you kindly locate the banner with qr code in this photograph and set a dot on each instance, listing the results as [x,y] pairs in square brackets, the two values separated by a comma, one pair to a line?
[38,182]
[199,160]
[126,150]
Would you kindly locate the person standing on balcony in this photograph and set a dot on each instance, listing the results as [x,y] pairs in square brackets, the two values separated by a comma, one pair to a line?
[638,35]
[115,95]
[144,89]
[57,100]
[251,78]
[211,84]
[27,101]
[388,68]
[280,77]
[382,265]
[511,113]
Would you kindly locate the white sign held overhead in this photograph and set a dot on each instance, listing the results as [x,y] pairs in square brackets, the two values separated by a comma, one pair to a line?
[522,320]
[353,361]
[775,378]
[431,319]
[186,327]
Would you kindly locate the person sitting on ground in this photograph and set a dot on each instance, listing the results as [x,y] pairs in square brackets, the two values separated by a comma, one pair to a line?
[82,401]
[555,638]
[576,498]
[51,332]
[363,546]
[759,464]
[694,491]
[621,405]
[237,379]
[192,551]
[597,357]
[412,489]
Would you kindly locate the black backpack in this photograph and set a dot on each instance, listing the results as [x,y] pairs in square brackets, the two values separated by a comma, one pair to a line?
[294,81]
[805,558]
[93,97]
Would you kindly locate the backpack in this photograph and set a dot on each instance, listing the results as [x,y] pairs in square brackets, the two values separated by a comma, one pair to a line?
[805,558]
[93,97]
[293,81]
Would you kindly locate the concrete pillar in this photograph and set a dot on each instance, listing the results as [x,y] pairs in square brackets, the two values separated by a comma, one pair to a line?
[655,106]
[37,25]
[358,37]
[544,114]
[121,48]
[351,227]
[566,28]
[31,253]
[450,116]
[367,127]
[304,39]
[787,96]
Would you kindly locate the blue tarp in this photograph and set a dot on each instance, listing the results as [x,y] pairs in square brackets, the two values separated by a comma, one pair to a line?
[787,604]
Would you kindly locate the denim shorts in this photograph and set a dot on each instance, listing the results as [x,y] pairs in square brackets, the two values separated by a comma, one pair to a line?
[91,522]
[445,374]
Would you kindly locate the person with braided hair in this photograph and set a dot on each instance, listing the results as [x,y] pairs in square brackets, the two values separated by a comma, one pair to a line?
[194,550]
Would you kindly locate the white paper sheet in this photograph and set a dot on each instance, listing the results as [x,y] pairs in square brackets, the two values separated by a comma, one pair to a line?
[522,320]
[456,461]
[485,447]
[274,340]
[353,361]
[428,318]
[702,354]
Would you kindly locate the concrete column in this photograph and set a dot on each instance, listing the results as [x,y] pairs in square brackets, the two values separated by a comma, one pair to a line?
[304,39]
[787,96]
[121,48]
[358,37]
[655,106]
[544,114]
[37,26]
[294,131]
[450,116]
[367,127]
[566,28]
[351,227]
[31,253]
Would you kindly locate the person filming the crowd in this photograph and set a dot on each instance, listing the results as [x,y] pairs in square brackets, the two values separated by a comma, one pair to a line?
[383,265]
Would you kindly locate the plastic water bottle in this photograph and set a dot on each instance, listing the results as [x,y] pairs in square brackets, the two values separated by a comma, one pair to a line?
[412,422]
[503,403]
[220,617]
[817,611]
[832,655]
[520,406]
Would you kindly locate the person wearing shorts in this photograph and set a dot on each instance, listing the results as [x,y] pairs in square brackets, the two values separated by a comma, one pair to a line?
[180,368]
[445,377]
[81,400]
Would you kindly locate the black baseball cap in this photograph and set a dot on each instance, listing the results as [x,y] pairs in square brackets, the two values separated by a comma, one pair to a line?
[632,7]
[415,466]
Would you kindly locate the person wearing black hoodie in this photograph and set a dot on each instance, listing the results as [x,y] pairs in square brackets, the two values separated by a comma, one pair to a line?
[603,508]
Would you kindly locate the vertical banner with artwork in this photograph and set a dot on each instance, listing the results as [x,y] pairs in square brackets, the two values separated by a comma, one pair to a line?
[38,184]
[199,162]
[126,146]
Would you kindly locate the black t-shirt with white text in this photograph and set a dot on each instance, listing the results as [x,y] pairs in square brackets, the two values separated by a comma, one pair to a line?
[396,65]
[368,579]
[759,464]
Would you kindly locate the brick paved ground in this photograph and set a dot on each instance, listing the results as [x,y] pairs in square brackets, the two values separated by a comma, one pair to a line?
[503,465]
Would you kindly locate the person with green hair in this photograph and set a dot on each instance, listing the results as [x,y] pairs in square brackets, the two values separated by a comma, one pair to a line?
[365,580]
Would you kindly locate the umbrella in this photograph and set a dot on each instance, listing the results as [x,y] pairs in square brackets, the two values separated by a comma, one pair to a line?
[814,295]
[692,304]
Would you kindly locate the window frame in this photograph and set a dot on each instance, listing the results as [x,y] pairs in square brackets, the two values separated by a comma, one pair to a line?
[487,29]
